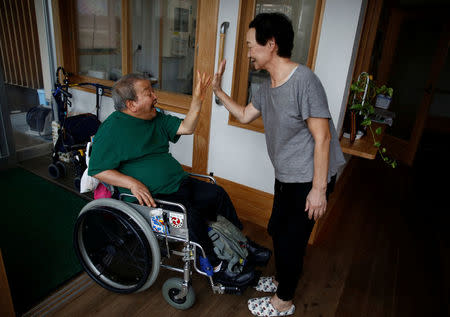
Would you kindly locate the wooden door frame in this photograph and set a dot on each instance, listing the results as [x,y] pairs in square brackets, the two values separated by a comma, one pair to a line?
[404,150]
[205,59]
[422,113]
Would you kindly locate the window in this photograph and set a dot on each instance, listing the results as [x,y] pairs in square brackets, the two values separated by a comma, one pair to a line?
[305,16]
[163,43]
[106,39]
[99,40]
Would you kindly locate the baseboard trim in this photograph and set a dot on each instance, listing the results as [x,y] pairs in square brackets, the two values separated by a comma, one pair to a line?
[61,297]
[251,204]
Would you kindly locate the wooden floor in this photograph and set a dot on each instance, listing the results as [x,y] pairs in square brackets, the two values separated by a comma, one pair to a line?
[387,254]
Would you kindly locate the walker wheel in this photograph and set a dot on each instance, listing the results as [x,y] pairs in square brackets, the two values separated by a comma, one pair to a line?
[53,171]
[77,183]
[62,168]
[171,288]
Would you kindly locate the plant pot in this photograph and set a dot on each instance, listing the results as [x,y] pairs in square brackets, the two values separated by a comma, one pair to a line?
[383,101]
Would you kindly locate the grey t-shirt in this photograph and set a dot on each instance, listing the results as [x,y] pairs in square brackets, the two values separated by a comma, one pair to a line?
[284,111]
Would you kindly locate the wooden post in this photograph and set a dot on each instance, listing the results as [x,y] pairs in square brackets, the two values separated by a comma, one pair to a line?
[6,304]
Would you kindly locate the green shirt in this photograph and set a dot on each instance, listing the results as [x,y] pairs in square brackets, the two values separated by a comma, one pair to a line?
[140,149]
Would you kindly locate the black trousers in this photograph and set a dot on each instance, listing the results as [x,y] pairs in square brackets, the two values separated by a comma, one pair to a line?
[203,202]
[290,229]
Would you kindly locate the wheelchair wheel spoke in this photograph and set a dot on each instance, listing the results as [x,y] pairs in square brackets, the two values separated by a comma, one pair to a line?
[114,238]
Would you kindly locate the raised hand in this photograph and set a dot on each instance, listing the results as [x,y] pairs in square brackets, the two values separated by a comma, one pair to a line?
[217,80]
[202,84]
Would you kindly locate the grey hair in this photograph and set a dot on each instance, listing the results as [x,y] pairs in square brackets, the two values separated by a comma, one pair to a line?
[123,90]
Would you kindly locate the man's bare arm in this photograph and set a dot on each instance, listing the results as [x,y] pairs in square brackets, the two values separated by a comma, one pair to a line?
[245,114]
[138,189]
[190,121]
[316,202]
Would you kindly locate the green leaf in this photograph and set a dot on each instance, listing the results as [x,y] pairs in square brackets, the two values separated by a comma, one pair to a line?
[377,144]
[385,159]
[394,164]
[390,92]
[383,150]
[366,122]
[357,106]
[378,131]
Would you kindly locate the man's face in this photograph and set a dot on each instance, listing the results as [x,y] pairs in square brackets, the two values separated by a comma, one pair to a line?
[259,55]
[144,105]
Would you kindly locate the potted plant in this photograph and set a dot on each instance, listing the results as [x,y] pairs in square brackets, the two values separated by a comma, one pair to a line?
[363,93]
[383,97]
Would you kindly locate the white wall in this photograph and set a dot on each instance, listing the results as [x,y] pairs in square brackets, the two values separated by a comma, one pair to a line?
[240,155]
[338,45]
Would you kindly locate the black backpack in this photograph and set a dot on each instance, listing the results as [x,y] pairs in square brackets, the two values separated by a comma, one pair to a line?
[77,130]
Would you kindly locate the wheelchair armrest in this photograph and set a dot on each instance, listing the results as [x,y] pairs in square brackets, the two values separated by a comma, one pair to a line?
[159,201]
[212,179]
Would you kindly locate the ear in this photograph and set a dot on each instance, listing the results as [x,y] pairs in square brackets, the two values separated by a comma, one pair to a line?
[130,105]
[272,44]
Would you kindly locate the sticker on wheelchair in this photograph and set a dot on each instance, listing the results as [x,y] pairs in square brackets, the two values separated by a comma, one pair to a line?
[157,220]
[176,219]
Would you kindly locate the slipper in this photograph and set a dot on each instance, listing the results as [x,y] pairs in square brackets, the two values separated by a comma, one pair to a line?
[266,284]
[262,307]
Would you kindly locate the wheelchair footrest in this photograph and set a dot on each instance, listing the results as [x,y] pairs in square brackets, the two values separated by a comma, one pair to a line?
[234,290]
[240,289]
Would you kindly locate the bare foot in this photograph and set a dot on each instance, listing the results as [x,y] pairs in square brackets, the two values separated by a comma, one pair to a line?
[280,304]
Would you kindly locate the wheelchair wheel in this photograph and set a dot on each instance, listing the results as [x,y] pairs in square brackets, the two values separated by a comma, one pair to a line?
[171,288]
[116,246]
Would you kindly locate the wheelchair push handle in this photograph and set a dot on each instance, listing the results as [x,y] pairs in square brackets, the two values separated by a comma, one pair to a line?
[211,178]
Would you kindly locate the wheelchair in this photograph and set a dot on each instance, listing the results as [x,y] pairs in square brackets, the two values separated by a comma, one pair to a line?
[123,245]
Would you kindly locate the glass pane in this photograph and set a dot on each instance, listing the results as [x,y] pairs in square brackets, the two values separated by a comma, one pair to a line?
[163,42]
[301,13]
[99,38]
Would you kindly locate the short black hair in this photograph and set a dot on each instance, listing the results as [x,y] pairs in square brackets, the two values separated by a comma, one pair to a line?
[274,25]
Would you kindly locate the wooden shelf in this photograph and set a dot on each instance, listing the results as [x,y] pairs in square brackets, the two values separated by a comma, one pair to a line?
[363,147]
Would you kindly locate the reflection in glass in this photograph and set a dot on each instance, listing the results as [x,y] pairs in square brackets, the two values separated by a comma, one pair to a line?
[99,40]
[163,42]
[301,13]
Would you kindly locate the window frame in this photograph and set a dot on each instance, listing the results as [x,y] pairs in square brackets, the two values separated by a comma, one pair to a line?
[239,89]
[67,55]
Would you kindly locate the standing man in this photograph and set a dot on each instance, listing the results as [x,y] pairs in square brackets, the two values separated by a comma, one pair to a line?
[302,144]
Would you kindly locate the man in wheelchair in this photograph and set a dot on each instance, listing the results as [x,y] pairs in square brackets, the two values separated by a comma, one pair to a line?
[131,151]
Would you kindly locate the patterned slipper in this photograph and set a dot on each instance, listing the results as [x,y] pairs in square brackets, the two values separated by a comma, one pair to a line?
[263,307]
[266,284]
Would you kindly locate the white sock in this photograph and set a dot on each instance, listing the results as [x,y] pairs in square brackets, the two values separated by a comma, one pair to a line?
[217,268]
